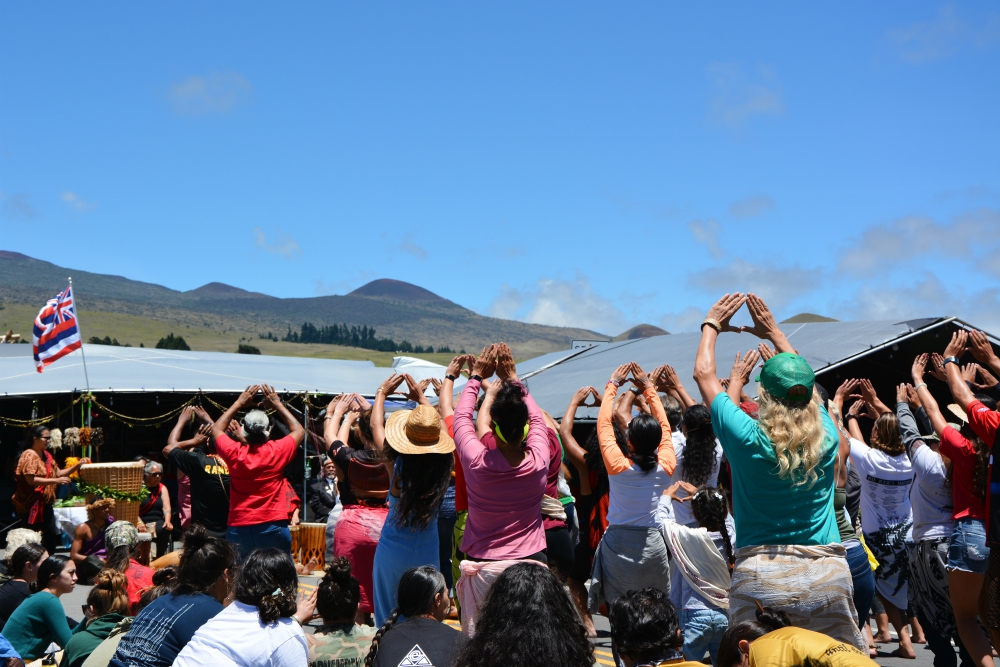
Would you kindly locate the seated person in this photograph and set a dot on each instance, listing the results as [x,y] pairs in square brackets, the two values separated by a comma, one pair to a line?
[771,641]
[40,620]
[107,606]
[646,631]
[23,565]
[339,640]
[122,541]
[88,550]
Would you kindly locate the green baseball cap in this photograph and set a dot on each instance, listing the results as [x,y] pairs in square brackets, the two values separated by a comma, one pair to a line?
[787,376]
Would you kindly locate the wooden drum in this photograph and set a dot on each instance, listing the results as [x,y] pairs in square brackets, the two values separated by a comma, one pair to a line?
[296,544]
[312,541]
[124,476]
[145,542]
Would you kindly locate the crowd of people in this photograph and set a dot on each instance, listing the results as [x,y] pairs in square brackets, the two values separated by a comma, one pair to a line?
[734,530]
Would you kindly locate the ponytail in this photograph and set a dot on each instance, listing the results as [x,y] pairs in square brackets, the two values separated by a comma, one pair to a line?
[373,651]
[710,510]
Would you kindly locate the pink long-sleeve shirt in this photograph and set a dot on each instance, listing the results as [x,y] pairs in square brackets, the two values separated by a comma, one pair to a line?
[505,517]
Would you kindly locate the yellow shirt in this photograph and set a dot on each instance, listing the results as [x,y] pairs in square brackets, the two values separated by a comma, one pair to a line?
[791,646]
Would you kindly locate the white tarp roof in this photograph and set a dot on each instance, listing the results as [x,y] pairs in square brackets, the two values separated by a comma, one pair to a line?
[127,369]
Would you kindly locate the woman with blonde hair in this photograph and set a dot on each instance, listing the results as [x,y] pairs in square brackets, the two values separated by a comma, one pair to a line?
[789,553]
[107,605]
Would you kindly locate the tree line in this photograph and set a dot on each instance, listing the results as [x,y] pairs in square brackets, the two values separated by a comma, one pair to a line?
[349,336]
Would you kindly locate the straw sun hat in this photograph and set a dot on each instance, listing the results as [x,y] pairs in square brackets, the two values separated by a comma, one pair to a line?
[417,431]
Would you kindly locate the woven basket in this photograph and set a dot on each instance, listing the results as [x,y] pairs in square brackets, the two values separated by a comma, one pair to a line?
[125,477]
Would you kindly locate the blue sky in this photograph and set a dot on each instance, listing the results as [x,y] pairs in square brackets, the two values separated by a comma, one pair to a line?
[585,164]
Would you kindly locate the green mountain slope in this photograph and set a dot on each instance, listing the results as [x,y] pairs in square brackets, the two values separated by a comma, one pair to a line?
[139,311]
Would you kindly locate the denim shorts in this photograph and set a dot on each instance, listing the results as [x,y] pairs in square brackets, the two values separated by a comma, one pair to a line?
[703,630]
[967,550]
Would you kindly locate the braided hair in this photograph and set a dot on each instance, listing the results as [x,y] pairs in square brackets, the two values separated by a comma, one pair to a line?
[415,596]
[710,510]
[595,462]
[699,449]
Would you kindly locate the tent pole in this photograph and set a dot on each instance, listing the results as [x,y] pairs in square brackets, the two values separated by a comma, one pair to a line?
[305,455]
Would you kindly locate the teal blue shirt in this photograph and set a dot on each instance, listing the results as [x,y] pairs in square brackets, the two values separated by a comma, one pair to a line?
[768,509]
[36,623]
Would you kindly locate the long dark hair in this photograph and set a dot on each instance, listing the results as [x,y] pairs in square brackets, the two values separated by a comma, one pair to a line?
[710,509]
[980,473]
[50,568]
[595,461]
[29,437]
[268,581]
[527,619]
[644,434]
[424,479]
[24,554]
[699,449]
[414,597]
[339,593]
[120,557]
[768,620]
[204,559]
[644,625]
[509,411]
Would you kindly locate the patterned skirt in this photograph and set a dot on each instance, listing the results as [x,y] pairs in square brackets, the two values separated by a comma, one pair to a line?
[889,548]
[812,584]
[928,585]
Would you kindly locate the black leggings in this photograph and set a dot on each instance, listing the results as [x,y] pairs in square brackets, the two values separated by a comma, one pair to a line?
[51,535]
[559,549]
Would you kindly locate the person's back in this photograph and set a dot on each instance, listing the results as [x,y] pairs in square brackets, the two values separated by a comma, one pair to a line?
[162,629]
[424,641]
[237,636]
[885,487]
[769,509]
[12,594]
[344,645]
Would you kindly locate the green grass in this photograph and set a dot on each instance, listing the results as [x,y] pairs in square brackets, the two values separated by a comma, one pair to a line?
[134,329]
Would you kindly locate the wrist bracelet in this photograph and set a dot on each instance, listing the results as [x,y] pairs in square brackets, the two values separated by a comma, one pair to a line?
[712,323]
[950,360]
[476,377]
[922,384]
[850,416]
[614,382]
[450,377]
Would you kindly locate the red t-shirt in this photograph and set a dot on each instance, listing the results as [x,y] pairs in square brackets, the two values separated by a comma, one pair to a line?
[963,458]
[139,577]
[984,423]
[256,484]
[461,498]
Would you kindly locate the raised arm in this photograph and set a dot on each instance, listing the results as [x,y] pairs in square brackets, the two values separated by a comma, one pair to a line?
[623,408]
[926,399]
[335,411]
[665,452]
[466,442]
[417,391]
[668,382]
[200,437]
[715,323]
[907,422]
[271,398]
[764,325]
[614,460]
[446,393]
[484,423]
[956,383]
[868,393]
[389,386]
[220,425]
[739,376]
[576,454]
[981,349]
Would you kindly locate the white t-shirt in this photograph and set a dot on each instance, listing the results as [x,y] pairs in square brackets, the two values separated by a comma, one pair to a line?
[885,487]
[236,637]
[930,496]
[682,511]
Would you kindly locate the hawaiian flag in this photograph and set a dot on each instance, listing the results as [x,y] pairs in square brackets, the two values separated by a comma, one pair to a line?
[56,332]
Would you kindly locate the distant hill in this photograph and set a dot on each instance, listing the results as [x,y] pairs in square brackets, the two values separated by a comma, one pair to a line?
[133,311]
[806,318]
[641,331]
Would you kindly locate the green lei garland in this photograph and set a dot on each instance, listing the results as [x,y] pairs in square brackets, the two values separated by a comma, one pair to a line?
[114,494]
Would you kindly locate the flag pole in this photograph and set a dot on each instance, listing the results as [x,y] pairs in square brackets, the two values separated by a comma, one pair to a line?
[83,354]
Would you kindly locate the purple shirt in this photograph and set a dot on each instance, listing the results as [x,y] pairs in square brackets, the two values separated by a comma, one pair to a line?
[505,518]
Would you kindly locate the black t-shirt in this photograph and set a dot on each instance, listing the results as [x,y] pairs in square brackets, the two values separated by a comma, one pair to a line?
[420,641]
[209,487]
[342,456]
[12,594]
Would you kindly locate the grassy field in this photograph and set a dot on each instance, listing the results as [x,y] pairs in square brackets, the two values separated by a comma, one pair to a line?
[134,330]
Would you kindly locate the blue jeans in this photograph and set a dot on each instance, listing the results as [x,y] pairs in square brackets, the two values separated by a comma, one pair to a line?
[864,582]
[703,630]
[258,536]
[967,550]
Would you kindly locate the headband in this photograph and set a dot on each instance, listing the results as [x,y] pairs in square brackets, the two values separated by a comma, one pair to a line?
[496,431]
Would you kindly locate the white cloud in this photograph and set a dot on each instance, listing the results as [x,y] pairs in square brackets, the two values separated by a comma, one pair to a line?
[778,286]
[752,206]
[560,303]
[17,206]
[283,244]
[942,37]
[688,319]
[76,202]
[707,232]
[410,247]
[216,93]
[970,235]
[739,97]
